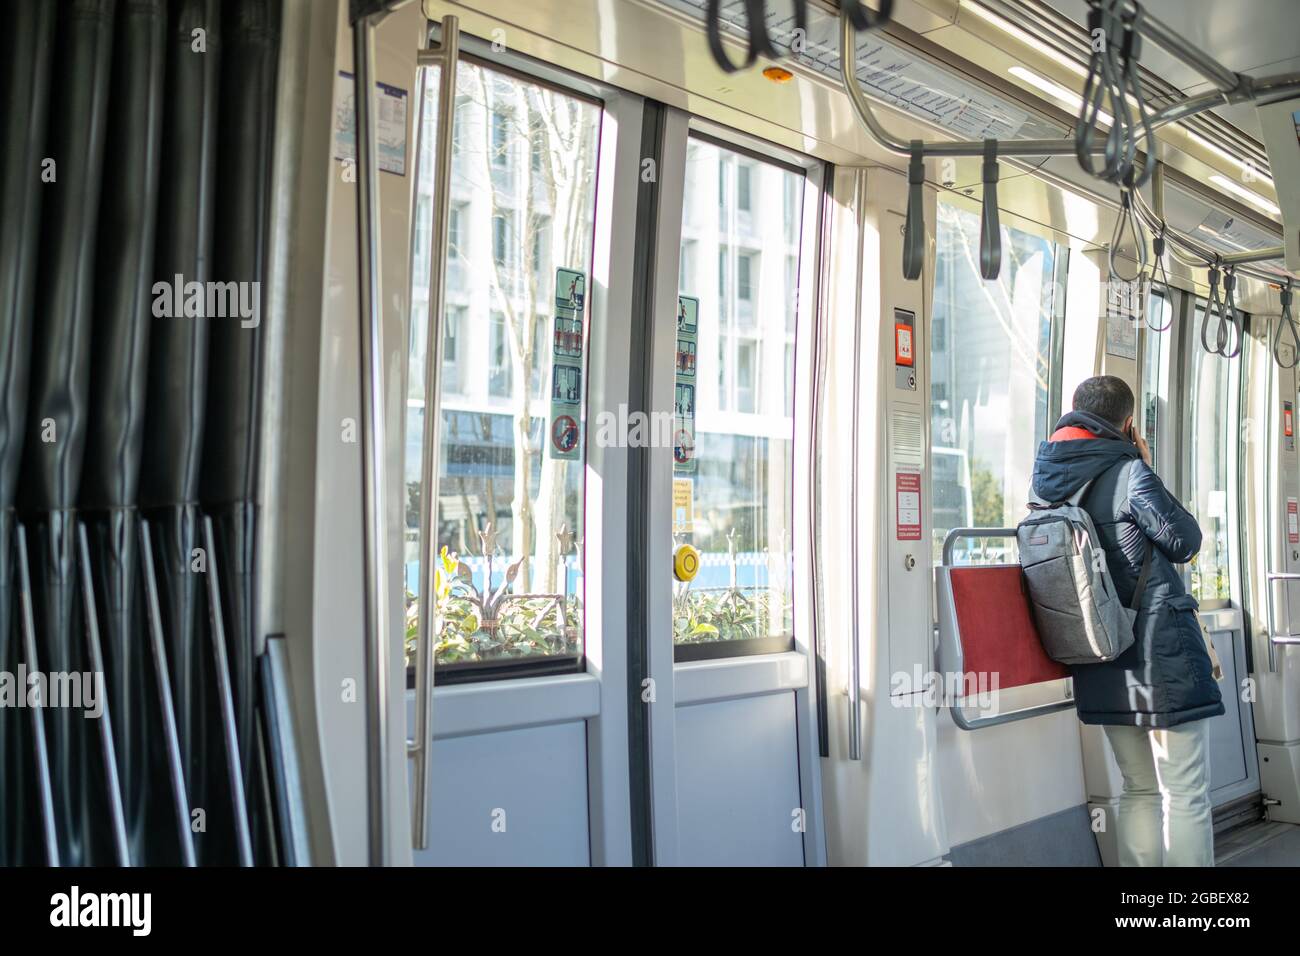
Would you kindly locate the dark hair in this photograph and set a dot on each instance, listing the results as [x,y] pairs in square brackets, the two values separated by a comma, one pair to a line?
[1106,397]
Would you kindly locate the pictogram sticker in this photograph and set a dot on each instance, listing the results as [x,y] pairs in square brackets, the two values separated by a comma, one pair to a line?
[688,323]
[564,434]
[907,491]
[568,340]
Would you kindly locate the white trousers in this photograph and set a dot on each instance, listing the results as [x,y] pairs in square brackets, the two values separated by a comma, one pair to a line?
[1164,811]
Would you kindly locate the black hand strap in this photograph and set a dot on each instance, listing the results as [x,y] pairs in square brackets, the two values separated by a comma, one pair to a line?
[1212,306]
[1286,321]
[1142,577]
[1158,266]
[863,18]
[914,230]
[990,224]
[760,43]
[1231,318]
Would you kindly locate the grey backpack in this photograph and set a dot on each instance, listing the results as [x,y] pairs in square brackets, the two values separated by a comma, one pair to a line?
[1079,614]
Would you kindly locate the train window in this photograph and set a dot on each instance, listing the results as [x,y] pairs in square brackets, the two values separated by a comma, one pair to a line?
[740,475]
[509,514]
[1211,449]
[1155,371]
[990,369]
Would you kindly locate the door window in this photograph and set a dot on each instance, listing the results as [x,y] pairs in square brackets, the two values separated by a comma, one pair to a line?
[509,508]
[1211,450]
[1155,371]
[733,473]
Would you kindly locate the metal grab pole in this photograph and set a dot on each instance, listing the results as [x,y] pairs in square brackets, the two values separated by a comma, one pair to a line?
[170,737]
[1286,638]
[40,745]
[445,55]
[855,650]
[95,651]
[1244,89]
[1162,36]
[226,705]
[374,550]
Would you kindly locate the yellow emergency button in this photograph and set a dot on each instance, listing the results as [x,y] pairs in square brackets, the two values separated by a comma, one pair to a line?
[686,563]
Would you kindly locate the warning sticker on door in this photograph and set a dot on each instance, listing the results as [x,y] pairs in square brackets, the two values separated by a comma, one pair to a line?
[564,434]
[1292,521]
[688,324]
[907,491]
[567,342]
[903,344]
[683,505]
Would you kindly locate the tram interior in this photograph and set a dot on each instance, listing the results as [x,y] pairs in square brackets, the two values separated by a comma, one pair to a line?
[601,443]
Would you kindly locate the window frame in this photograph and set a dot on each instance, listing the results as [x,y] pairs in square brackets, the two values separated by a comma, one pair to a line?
[544,76]
[814,180]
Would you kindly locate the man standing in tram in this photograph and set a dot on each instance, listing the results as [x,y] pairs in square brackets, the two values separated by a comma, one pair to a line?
[1156,699]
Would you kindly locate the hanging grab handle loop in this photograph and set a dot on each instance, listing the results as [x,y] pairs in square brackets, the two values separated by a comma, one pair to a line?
[914,230]
[1128,217]
[1212,306]
[1288,321]
[863,18]
[1132,53]
[1158,268]
[1232,321]
[1105,28]
[990,224]
[760,43]
[1114,79]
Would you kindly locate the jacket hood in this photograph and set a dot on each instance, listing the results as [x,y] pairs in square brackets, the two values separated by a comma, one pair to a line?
[1063,467]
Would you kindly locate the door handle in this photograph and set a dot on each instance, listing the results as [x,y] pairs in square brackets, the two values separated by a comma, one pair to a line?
[444,54]
[374,551]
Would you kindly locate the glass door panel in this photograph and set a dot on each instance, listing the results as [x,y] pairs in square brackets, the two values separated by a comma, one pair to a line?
[734,401]
[512,396]
[1155,373]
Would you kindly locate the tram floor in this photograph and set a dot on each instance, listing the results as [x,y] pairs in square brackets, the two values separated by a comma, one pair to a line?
[1259,844]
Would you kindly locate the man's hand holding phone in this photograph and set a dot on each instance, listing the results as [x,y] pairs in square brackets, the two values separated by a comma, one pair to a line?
[1142,447]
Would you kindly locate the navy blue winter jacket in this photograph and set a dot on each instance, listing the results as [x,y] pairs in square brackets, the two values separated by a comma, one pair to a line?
[1165,678]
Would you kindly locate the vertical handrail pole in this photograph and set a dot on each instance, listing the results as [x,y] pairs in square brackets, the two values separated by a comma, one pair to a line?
[40,747]
[171,737]
[374,551]
[855,648]
[448,50]
[226,703]
[116,812]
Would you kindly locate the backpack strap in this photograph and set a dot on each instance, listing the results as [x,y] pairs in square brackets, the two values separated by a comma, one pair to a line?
[1038,503]
[1077,497]
[1142,577]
